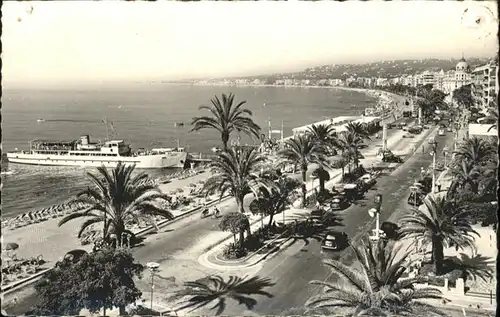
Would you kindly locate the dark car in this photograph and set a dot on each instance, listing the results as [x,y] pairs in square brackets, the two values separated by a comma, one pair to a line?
[338,202]
[415,199]
[335,240]
[391,230]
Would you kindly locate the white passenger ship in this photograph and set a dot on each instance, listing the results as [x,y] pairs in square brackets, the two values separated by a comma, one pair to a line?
[84,153]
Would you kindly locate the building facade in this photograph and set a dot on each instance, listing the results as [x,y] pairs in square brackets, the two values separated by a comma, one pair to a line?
[485,84]
[460,77]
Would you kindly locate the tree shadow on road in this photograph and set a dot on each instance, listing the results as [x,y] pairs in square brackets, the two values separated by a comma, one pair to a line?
[308,229]
[215,290]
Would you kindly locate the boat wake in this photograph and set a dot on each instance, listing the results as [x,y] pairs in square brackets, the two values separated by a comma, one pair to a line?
[70,120]
[13,172]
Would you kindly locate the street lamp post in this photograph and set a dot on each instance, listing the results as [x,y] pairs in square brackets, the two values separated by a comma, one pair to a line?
[445,152]
[153,267]
[434,154]
[375,212]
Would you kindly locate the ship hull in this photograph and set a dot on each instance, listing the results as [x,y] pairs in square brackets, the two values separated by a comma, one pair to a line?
[144,161]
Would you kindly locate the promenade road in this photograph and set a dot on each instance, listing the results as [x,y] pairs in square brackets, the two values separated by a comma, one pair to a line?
[179,244]
[294,267]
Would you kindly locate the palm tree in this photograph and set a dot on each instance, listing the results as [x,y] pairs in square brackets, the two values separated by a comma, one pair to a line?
[359,133]
[325,135]
[464,173]
[475,151]
[303,150]
[276,200]
[494,115]
[348,143]
[235,171]
[226,118]
[378,288]
[441,225]
[215,290]
[117,199]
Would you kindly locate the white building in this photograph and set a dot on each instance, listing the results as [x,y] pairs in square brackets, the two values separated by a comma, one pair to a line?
[485,83]
[460,77]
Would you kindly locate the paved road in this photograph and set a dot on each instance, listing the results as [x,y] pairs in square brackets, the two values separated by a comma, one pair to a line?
[294,267]
[173,238]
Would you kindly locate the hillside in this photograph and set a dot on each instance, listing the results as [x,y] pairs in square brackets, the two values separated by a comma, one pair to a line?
[385,69]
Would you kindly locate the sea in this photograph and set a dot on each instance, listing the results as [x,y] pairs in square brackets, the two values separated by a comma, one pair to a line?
[145,116]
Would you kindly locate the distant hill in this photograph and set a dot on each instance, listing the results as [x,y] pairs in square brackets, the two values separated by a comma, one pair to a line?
[384,69]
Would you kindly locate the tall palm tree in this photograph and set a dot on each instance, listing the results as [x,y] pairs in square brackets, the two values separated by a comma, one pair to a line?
[226,118]
[215,290]
[236,171]
[360,133]
[303,150]
[441,225]
[475,151]
[117,198]
[325,135]
[348,143]
[378,288]
[276,200]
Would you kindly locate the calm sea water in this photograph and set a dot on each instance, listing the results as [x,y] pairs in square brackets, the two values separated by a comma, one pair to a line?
[143,115]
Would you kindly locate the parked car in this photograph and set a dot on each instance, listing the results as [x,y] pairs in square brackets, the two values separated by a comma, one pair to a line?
[368,179]
[426,127]
[339,202]
[415,198]
[335,240]
[409,136]
[448,129]
[390,229]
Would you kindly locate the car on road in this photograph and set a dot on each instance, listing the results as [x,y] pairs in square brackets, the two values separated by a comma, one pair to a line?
[441,132]
[390,229]
[448,129]
[415,198]
[339,202]
[431,140]
[335,240]
[442,126]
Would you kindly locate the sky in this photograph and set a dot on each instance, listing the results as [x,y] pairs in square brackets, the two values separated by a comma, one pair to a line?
[72,41]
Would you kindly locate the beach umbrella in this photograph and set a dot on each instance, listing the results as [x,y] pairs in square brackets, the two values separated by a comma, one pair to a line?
[11,246]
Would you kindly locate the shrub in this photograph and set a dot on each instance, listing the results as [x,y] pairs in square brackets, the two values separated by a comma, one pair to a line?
[254,242]
[233,251]
[324,196]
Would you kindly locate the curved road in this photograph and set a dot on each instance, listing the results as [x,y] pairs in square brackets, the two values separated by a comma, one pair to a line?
[295,266]
[185,233]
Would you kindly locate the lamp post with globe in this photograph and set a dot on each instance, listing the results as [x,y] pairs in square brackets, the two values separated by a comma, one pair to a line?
[434,154]
[375,212]
[153,267]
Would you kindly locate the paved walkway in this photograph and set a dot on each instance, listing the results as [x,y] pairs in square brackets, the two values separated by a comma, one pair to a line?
[53,242]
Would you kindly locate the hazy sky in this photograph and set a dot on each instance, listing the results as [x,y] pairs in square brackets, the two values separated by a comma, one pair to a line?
[71,40]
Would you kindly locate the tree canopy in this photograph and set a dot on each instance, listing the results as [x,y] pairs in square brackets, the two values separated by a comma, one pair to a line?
[103,279]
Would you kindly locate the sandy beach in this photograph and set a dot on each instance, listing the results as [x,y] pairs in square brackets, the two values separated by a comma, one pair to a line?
[52,241]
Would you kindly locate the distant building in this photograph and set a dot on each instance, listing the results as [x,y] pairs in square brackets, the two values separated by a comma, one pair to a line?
[485,83]
[460,77]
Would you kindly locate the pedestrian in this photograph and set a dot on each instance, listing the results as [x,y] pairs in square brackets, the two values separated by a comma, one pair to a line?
[439,187]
